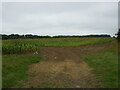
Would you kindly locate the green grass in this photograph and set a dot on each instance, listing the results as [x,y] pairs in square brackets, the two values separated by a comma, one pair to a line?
[15,68]
[27,45]
[105,64]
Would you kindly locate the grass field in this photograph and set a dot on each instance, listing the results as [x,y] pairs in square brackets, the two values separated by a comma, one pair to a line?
[27,45]
[15,68]
[105,64]
[15,64]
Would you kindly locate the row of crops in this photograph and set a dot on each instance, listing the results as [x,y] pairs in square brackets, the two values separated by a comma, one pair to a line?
[30,45]
[17,46]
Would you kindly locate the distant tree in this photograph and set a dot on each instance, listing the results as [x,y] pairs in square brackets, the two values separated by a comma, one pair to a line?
[14,36]
[4,37]
[118,35]
[22,36]
[28,36]
[35,36]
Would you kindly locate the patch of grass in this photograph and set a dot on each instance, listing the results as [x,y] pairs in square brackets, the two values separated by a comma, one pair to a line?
[105,64]
[32,74]
[27,45]
[15,68]
[31,86]
[21,83]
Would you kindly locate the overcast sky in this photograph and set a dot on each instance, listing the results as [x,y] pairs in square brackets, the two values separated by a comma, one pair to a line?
[62,18]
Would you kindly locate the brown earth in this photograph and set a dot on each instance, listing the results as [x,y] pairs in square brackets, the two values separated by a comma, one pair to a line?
[62,67]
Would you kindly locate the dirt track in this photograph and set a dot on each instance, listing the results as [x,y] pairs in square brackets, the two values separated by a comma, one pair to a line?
[62,67]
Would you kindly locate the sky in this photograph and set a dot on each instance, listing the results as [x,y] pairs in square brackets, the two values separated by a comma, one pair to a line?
[60,18]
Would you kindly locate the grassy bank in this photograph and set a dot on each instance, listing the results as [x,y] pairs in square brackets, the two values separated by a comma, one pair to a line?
[15,68]
[105,64]
[28,45]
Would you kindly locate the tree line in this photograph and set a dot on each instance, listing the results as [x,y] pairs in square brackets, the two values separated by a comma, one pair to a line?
[30,36]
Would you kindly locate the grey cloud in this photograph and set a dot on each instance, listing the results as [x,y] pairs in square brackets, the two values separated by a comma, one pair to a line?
[60,18]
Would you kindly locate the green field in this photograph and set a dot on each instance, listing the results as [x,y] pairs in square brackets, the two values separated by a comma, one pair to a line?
[105,64]
[15,68]
[15,64]
[28,45]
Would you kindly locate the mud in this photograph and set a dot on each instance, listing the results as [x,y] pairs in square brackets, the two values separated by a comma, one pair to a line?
[62,67]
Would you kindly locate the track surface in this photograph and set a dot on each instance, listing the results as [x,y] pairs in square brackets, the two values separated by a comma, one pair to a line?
[62,67]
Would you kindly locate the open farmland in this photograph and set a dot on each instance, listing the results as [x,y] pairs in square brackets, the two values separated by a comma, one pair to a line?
[60,63]
[59,44]
[27,45]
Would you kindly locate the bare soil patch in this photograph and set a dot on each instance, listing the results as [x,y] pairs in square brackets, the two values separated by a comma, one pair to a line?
[62,67]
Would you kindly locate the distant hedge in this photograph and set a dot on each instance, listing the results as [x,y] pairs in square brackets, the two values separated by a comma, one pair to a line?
[17,36]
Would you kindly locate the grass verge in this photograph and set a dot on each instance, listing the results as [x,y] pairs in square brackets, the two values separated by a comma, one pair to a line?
[105,64]
[15,68]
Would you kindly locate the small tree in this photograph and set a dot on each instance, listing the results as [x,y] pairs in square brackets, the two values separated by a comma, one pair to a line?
[118,35]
